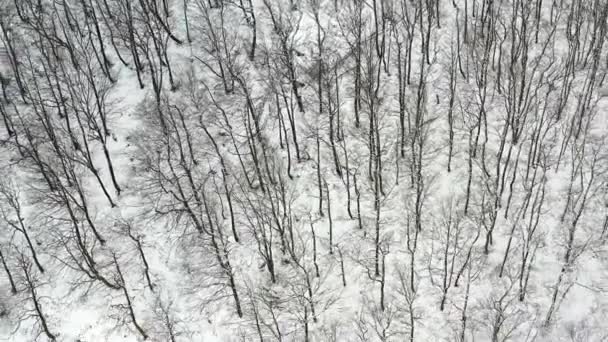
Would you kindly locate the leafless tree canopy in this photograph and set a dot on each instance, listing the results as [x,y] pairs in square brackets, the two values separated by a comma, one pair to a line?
[303,170]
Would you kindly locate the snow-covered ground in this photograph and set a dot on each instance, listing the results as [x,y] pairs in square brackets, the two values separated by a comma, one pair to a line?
[377,170]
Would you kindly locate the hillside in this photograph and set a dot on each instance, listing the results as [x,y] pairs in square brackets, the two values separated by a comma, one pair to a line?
[314,170]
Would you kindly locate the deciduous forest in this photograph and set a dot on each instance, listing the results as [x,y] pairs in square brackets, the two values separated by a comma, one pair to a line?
[304,170]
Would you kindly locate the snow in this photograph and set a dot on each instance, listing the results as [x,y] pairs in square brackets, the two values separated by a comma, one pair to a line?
[193,288]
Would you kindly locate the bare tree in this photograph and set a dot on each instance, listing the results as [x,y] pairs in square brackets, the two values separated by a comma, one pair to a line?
[12,215]
[29,284]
